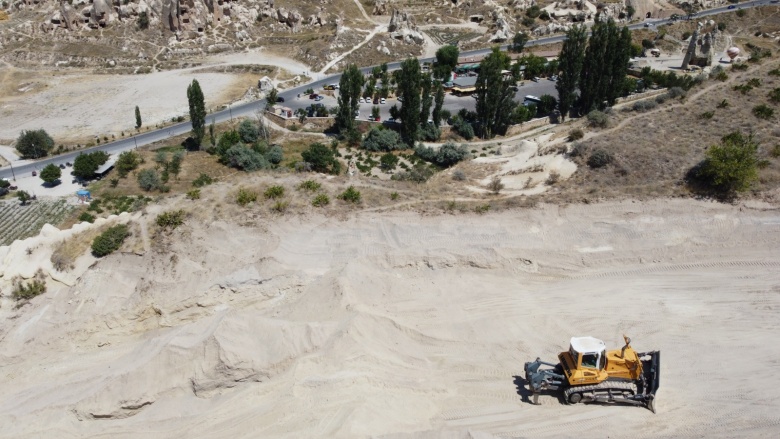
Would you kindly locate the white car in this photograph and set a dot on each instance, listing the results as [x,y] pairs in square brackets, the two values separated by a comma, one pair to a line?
[362,101]
[382,101]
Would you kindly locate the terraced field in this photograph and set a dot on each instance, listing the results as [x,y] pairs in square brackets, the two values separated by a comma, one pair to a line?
[19,222]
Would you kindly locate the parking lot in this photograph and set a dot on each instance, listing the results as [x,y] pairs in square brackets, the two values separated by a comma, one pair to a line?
[451,102]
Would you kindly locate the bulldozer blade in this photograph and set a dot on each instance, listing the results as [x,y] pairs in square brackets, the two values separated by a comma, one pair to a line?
[651,371]
[651,405]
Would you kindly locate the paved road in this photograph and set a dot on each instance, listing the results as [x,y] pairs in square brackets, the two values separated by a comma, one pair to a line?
[250,108]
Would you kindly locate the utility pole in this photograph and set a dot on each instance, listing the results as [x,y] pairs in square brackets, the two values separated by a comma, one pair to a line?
[231,112]
[136,142]
[12,169]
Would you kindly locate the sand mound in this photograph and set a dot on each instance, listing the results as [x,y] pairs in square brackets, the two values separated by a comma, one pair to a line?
[398,326]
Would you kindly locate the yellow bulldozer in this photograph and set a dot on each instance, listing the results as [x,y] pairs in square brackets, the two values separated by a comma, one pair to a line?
[587,372]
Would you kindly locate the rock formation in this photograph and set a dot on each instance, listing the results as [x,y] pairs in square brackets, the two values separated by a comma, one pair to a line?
[380,7]
[501,29]
[402,27]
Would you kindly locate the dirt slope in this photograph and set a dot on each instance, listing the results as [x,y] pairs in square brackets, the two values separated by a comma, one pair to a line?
[401,326]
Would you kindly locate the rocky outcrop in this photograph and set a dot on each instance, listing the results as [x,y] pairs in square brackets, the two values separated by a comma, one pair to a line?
[380,7]
[402,27]
[501,29]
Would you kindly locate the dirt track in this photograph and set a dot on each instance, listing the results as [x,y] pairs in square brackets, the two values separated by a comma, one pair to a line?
[401,326]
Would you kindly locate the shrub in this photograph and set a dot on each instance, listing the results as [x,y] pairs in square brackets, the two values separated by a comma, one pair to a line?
[320,200]
[740,13]
[149,179]
[274,155]
[731,165]
[350,195]
[309,185]
[597,119]
[774,72]
[320,158]
[394,196]
[723,104]
[87,217]
[458,175]
[247,131]
[739,67]
[110,240]
[171,219]
[245,196]
[495,184]
[419,173]
[676,92]
[775,151]
[26,291]
[579,149]
[382,140]
[202,180]
[388,162]
[763,112]
[576,134]
[463,128]
[706,115]
[642,106]
[241,157]
[114,182]
[446,156]
[194,194]
[553,177]
[280,206]
[599,158]
[482,209]
[274,192]
[774,95]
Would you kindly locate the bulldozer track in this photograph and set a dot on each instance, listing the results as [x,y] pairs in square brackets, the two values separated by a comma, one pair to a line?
[678,267]
[606,385]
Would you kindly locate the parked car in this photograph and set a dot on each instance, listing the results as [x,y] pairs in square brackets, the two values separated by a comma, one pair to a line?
[329,87]
[377,119]
[279,99]
[35,173]
[13,187]
[62,166]
[376,101]
[319,98]
[535,79]
[361,100]
[68,164]
[383,101]
[554,78]
[313,96]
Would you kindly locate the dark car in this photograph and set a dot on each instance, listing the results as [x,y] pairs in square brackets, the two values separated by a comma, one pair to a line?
[62,166]
[731,7]
[68,164]
[34,173]
[280,99]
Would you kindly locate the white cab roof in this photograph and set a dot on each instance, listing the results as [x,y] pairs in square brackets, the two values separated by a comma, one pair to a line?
[585,345]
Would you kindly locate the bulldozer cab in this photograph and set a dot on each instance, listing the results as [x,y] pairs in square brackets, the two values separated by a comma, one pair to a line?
[585,361]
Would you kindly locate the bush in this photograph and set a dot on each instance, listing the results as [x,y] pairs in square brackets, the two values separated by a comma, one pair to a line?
[126,162]
[280,206]
[463,128]
[394,196]
[446,156]
[430,132]
[320,200]
[597,119]
[495,184]
[274,155]
[763,112]
[350,195]
[320,158]
[110,240]
[774,96]
[676,92]
[194,194]
[245,196]
[33,144]
[87,217]
[241,157]
[458,175]
[706,115]
[274,192]
[171,219]
[26,291]
[731,165]
[388,162]
[576,134]
[599,158]
[309,185]
[382,140]
[202,180]
[723,104]
[149,179]
[420,173]
[247,131]
[642,106]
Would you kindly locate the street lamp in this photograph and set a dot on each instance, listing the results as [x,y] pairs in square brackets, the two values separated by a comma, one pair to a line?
[12,169]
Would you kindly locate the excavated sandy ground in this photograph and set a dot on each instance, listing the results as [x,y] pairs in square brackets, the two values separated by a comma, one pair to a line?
[400,326]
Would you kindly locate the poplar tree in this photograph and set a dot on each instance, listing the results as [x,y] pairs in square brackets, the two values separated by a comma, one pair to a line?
[197,111]
[350,86]
[408,79]
[137,117]
[495,98]
[438,103]
[426,99]
[570,64]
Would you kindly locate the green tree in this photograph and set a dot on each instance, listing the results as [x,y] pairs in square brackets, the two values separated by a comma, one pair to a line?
[212,136]
[382,140]
[733,164]
[110,240]
[409,86]
[248,132]
[143,20]
[149,179]
[270,100]
[519,41]
[174,166]
[630,11]
[446,60]
[50,173]
[34,144]
[126,162]
[438,103]
[137,117]
[426,100]
[384,90]
[619,53]
[321,159]
[23,197]
[197,111]
[350,86]
[85,165]
[534,65]
[494,95]
[547,105]
[241,157]
[606,63]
